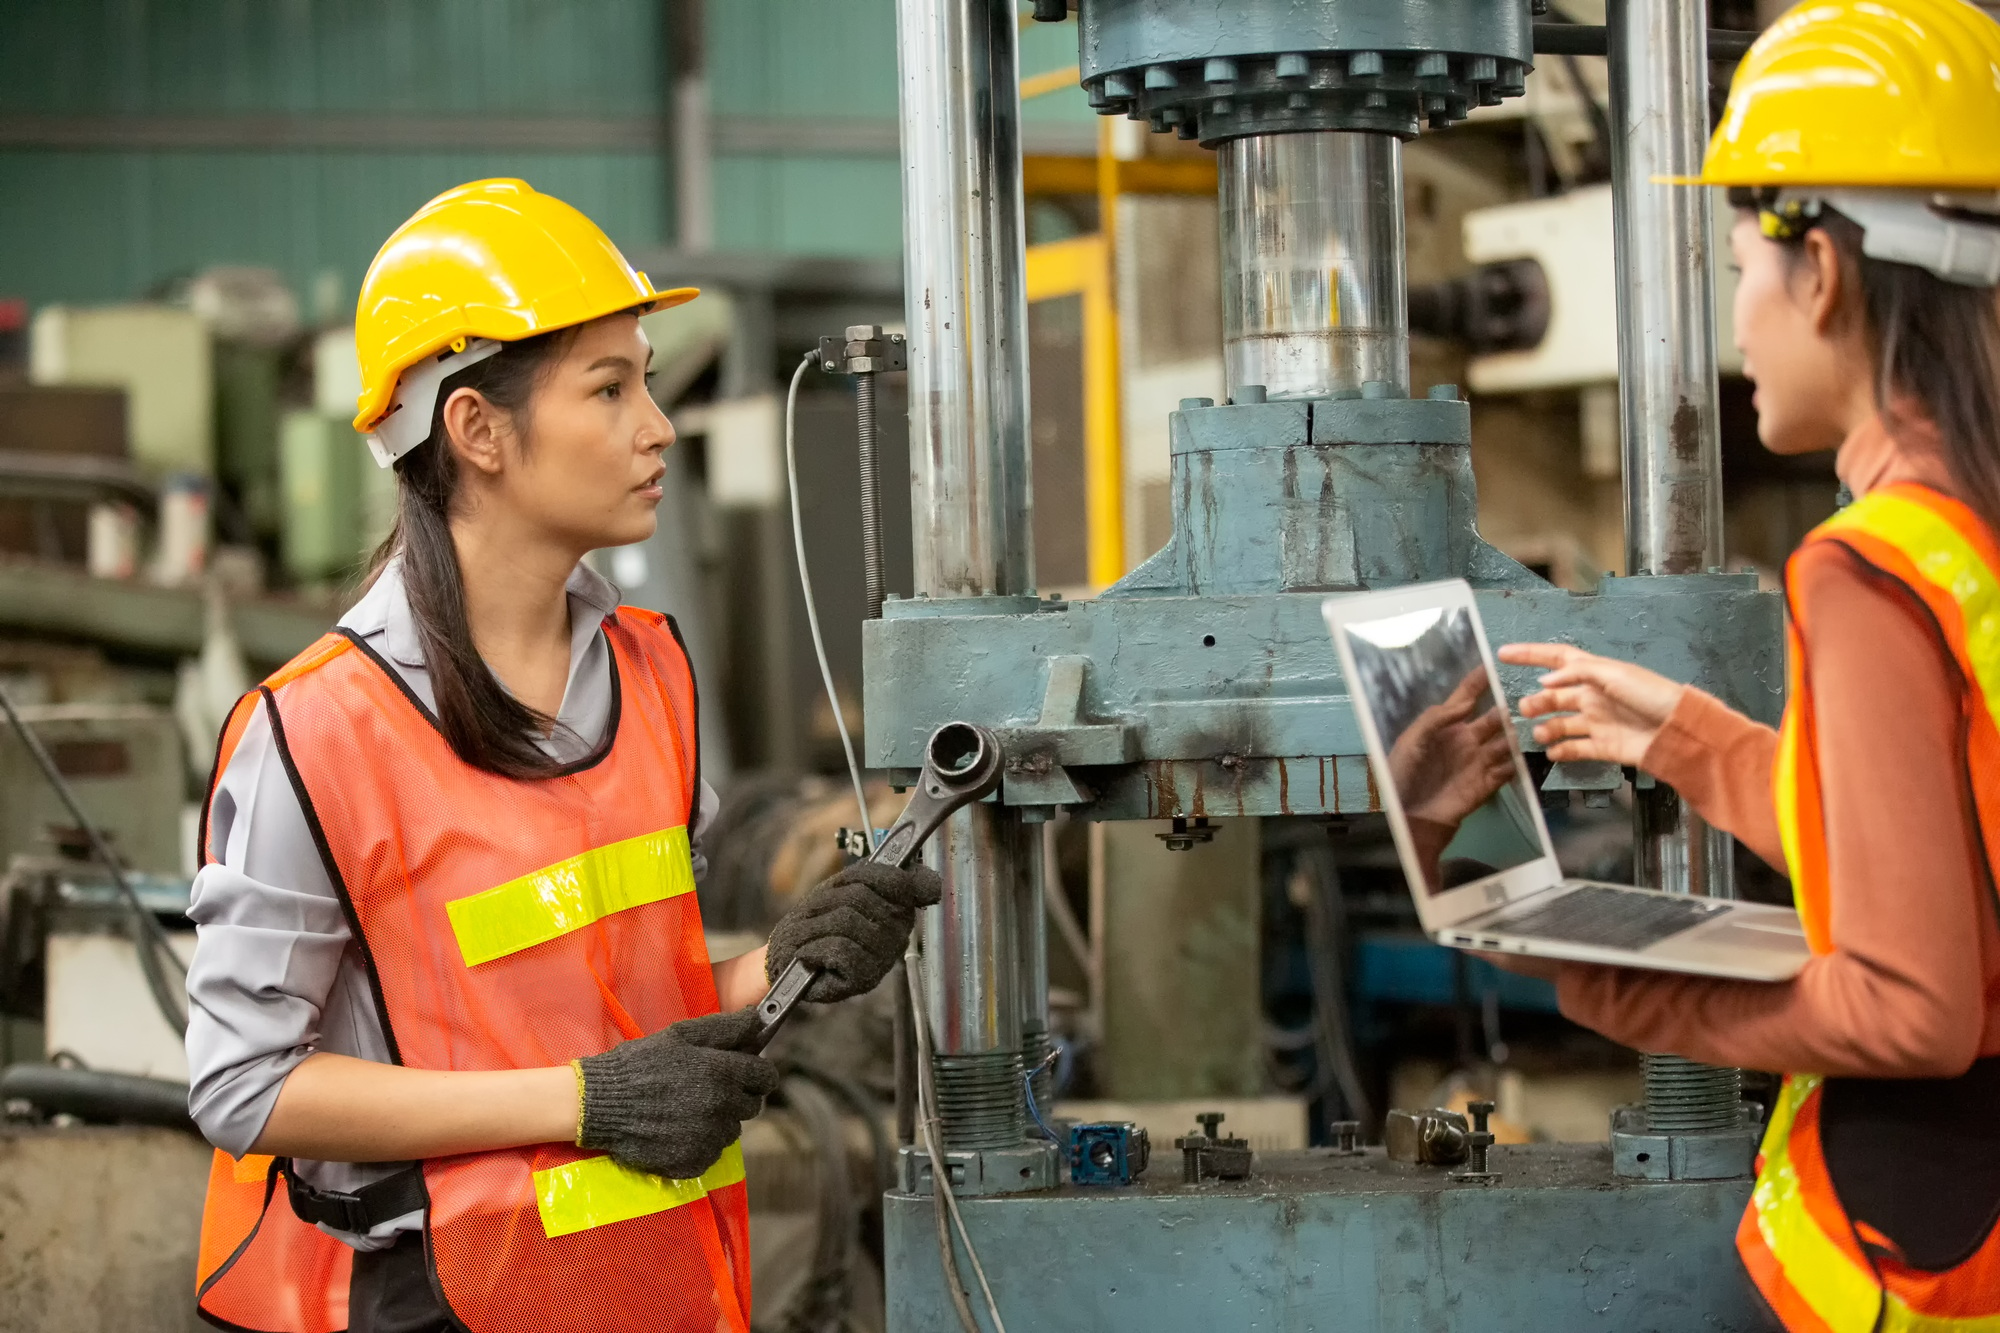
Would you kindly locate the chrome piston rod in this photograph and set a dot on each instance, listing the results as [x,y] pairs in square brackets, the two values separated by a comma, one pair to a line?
[1313,269]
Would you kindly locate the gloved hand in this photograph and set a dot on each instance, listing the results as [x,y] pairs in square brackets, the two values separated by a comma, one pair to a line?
[853,926]
[671,1102]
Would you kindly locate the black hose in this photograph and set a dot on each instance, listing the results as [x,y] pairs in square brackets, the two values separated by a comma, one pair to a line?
[148,939]
[871,522]
[1327,964]
[903,1034]
[821,1304]
[862,1105]
[1588,39]
[98,1095]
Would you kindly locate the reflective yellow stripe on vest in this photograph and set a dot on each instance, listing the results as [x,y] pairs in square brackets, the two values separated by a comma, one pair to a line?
[596,1191]
[1942,555]
[1843,1296]
[571,894]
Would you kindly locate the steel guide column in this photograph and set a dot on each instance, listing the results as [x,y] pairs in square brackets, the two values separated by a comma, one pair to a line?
[964,248]
[1664,238]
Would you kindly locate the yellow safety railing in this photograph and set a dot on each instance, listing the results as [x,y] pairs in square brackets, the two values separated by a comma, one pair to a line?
[1087,267]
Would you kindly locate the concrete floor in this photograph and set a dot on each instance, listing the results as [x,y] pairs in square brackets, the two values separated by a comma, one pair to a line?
[99,1226]
[98,1229]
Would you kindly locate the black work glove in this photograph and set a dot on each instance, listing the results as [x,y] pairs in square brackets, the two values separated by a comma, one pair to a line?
[853,927]
[670,1103]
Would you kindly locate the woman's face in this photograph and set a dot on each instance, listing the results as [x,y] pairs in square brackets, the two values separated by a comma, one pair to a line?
[588,472]
[1783,315]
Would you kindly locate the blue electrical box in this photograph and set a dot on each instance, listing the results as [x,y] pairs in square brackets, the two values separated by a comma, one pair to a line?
[1107,1154]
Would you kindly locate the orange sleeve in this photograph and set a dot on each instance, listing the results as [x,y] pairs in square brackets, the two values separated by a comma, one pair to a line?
[1903,994]
[1720,763]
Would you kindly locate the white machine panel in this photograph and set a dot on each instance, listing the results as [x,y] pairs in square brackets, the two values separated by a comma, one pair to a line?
[1570,235]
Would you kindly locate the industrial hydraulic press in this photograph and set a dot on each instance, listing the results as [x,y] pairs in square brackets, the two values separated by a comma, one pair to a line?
[1203,686]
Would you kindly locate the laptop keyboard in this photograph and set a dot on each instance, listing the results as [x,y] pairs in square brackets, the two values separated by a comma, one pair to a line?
[1608,918]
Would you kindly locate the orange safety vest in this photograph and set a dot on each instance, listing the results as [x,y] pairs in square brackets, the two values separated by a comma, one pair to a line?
[505,924]
[1813,1254]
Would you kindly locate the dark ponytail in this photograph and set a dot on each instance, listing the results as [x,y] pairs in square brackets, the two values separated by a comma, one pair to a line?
[487,727]
[1936,345]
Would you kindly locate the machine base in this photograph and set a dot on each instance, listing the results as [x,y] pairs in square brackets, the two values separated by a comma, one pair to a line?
[1318,1242]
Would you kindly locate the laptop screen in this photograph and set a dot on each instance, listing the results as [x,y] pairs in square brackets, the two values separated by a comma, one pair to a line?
[1444,726]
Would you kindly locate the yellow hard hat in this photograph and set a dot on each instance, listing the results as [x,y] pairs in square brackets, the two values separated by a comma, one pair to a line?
[1898,94]
[494,259]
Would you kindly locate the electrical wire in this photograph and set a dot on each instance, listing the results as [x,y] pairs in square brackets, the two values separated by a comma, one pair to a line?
[927,1123]
[944,1199]
[1028,1092]
[867,825]
[148,939]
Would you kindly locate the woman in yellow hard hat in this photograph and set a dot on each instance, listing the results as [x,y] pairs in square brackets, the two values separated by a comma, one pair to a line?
[1861,144]
[451,1004]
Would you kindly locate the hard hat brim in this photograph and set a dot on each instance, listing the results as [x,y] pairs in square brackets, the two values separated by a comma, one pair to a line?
[375,405]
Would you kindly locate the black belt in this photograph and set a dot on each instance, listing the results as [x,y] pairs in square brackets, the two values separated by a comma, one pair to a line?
[366,1208]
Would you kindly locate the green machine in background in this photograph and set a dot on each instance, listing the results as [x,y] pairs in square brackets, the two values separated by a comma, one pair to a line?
[1203,686]
[336,505]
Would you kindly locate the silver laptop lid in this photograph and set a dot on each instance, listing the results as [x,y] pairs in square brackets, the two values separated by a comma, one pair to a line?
[1460,800]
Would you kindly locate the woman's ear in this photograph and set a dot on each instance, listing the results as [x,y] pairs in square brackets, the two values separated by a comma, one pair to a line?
[475,430]
[1823,281]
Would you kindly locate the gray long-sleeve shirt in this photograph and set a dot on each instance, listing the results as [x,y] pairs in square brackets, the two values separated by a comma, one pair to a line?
[276,975]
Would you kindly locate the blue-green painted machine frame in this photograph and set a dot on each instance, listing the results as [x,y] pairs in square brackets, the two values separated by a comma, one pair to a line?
[1320,1243]
[1204,683]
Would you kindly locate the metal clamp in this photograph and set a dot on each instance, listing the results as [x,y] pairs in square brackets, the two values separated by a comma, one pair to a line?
[1477,1144]
[1209,1156]
[1427,1138]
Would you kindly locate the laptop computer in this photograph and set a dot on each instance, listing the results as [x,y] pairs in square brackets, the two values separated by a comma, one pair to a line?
[1468,824]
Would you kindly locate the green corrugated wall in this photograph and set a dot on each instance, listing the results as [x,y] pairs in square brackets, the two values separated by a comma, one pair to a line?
[112,221]
[107,223]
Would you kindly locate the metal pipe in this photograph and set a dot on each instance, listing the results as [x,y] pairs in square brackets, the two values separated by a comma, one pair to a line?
[1031,934]
[973,970]
[965,298]
[964,262]
[1663,239]
[1313,269]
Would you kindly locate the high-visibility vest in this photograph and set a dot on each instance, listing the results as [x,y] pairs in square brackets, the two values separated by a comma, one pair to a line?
[505,924]
[1822,1268]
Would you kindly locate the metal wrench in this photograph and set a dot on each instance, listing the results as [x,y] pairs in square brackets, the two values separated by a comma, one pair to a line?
[961,765]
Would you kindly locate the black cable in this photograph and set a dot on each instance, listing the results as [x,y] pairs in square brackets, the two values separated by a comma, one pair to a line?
[1600,120]
[1557,38]
[821,1304]
[148,939]
[903,1033]
[862,1103]
[99,1095]
[1326,963]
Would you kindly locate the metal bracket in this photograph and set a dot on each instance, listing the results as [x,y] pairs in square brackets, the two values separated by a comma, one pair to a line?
[1038,756]
[865,350]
